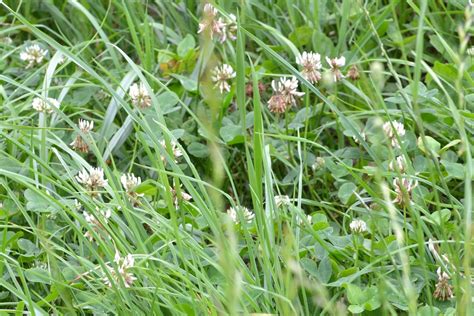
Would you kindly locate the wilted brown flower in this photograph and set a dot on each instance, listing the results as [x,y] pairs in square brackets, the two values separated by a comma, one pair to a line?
[353,73]
[443,291]
[249,88]
[79,143]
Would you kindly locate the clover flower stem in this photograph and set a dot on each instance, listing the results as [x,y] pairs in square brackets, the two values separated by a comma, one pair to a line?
[355,242]
[287,132]
[42,136]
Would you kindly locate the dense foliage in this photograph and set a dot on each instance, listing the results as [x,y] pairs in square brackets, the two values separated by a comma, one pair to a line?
[294,157]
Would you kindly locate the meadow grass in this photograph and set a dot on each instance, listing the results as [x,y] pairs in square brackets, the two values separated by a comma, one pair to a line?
[138,175]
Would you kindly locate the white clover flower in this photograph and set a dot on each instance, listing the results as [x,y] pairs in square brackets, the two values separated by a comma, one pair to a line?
[284,94]
[358,226]
[79,143]
[432,247]
[443,290]
[214,25]
[318,164]
[92,181]
[398,164]
[177,152]
[470,51]
[77,205]
[230,30]
[221,75]
[247,215]
[392,133]
[86,126]
[209,14]
[123,267]
[140,96]
[6,40]
[33,54]
[62,59]
[282,200]
[336,64]
[101,95]
[45,106]
[95,223]
[362,135]
[210,22]
[311,63]
[184,195]
[309,218]
[404,189]
[130,182]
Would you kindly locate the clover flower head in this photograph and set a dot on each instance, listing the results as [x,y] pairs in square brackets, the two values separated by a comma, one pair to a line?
[33,54]
[398,130]
[140,96]
[123,270]
[86,126]
[92,180]
[353,73]
[96,224]
[470,51]
[318,164]
[358,226]
[230,29]
[184,196]
[404,189]
[443,290]
[336,64]
[362,135]
[233,213]
[177,152]
[6,40]
[129,183]
[45,105]
[311,64]
[221,75]
[285,92]
[282,200]
[212,24]
[398,164]
[79,143]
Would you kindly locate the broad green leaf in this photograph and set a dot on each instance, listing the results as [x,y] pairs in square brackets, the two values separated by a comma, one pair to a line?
[324,271]
[231,134]
[198,150]
[310,266]
[346,191]
[355,309]
[36,202]
[28,247]
[187,44]
[187,83]
[38,275]
[432,145]
[454,169]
